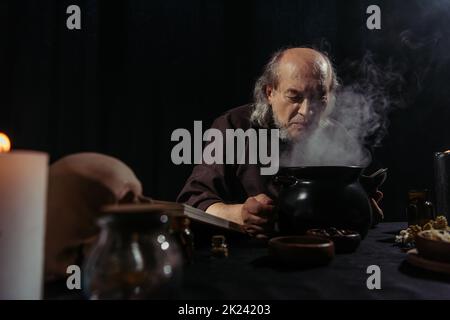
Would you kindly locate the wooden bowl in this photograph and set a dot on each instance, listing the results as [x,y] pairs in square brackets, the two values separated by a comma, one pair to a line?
[301,250]
[346,241]
[419,261]
[432,249]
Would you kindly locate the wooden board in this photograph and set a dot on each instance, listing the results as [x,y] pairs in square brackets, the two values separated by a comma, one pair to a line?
[415,259]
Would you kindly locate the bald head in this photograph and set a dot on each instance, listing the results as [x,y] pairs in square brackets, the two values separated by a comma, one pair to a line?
[305,63]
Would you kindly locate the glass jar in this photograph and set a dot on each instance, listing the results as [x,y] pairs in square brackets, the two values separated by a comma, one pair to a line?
[419,210]
[219,247]
[442,183]
[134,258]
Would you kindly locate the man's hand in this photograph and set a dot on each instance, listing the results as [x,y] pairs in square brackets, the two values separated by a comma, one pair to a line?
[256,214]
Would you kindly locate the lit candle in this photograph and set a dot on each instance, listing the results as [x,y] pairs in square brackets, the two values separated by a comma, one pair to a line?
[23,193]
[5,144]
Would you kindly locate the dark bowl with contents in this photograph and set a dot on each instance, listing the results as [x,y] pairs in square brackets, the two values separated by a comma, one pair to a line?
[301,251]
[434,245]
[345,241]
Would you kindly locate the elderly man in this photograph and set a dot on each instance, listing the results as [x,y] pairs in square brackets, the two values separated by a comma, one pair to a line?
[292,94]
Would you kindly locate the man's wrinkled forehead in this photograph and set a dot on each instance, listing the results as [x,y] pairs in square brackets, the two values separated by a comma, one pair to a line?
[307,70]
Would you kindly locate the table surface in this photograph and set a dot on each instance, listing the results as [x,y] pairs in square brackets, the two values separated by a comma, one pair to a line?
[248,274]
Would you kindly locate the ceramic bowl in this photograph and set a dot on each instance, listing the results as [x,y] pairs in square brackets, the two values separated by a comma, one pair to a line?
[301,250]
[345,241]
[432,249]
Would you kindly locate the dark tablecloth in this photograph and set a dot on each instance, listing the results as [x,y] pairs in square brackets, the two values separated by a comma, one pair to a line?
[248,274]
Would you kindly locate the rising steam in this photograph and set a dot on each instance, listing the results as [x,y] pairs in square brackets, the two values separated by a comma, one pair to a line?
[356,120]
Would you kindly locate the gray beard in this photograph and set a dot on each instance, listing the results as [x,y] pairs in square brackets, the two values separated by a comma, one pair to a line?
[284,133]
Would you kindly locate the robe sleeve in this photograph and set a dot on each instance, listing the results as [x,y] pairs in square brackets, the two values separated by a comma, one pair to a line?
[210,183]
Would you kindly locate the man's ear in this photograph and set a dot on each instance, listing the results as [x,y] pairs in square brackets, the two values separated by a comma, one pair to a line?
[331,101]
[269,93]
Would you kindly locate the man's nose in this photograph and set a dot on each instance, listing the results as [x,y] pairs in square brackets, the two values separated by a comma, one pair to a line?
[306,109]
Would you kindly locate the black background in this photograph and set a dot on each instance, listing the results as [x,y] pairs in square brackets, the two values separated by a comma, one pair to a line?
[139,69]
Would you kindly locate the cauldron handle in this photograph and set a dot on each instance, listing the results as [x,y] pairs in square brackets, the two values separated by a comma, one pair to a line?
[372,182]
[285,181]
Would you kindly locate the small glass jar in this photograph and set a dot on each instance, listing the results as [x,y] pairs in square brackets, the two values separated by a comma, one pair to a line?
[134,258]
[219,247]
[419,210]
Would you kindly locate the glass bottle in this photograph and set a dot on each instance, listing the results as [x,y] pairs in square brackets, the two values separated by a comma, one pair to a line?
[219,247]
[134,258]
[419,210]
[442,183]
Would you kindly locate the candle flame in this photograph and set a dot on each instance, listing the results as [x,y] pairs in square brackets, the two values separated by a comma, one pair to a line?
[5,143]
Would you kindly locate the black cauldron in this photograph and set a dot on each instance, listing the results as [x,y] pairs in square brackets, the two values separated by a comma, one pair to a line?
[321,197]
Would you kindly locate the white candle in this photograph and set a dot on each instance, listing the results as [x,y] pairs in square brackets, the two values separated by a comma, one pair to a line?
[23,193]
